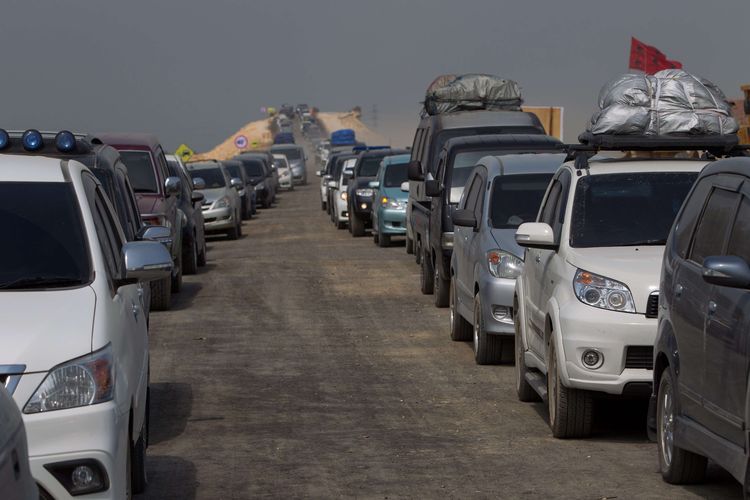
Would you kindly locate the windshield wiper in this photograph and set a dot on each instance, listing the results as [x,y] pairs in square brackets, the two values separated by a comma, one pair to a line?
[641,243]
[40,282]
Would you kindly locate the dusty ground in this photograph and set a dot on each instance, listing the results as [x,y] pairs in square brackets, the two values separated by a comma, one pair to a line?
[302,362]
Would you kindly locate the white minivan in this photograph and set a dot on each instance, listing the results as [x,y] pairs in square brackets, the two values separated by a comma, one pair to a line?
[16,482]
[75,341]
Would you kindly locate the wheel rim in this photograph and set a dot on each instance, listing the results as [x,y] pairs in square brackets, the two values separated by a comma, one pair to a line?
[667,425]
[519,356]
[452,309]
[477,313]
[552,387]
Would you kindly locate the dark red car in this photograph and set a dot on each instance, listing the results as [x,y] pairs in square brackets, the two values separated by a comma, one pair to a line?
[156,194]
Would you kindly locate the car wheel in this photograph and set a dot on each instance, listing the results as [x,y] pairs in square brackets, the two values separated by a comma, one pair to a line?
[441,289]
[375,238]
[570,410]
[177,279]
[323,205]
[357,225]
[384,240]
[138,477]
[129,468]
[526,393]
[460,328]
[161,294]
[232,233]
[418,252]
[245,211]
[409,245]
[202,254]
[190,259]
[488,349]
[426,276]
[239,228]
[677,466]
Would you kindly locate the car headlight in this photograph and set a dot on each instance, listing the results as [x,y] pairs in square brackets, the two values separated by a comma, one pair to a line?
[364,193]
[259,186]
[344,196]
[604,293]
[221,202]
[84,381]
[504,265]
[386,202]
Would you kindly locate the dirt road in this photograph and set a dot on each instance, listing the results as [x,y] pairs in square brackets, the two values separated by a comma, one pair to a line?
[304,363]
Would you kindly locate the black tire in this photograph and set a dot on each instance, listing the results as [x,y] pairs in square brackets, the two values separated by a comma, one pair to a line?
[340,224]
[488,349]
[323,205]
[232,233]
[460,328]
[384,240]
[357,225]
[177,278]
[571,411]
[409,245]
[239,228]
[202,254]
[190,258]
[525,392]
[161,294]
[441,289]
[418,252]
[138,475]
[426,276]
[129,468]
[246,215]
[375,238]
[677,466]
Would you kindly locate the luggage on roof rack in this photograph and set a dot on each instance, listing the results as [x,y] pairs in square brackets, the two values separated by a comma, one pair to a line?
[471,92]
[667,103]
[343,137]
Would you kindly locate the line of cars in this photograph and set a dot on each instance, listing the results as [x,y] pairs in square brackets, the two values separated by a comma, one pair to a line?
[617,267]
[103,228]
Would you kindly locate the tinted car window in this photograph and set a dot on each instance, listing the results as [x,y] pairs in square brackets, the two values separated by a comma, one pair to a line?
[629,209]
[253,168]
[214,177]
[515,199]
[234,171]
[739,240]
[692,209]
[44,251]
[369,166]
[140,171]
[461,166]
[395,175]
[712,228]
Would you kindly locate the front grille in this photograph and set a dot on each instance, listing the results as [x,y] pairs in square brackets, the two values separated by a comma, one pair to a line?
[652,306]
[640,356]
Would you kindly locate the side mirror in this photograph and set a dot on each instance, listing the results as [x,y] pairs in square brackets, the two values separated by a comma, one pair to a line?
[536,235]
[197,196]
[319,173]
[414,170]
[464,218]
[405,187]
[145,261]
[349,173]
[433,188]
[172,185]
[333,184]
[328,177]
[199,183]
[374,184]
[237,183]
[726,270]
[154,233]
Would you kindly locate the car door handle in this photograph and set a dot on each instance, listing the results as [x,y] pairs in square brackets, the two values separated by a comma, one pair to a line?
[678,290]
[711,308]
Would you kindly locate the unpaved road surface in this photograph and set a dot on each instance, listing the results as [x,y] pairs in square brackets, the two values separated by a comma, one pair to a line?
[302,362]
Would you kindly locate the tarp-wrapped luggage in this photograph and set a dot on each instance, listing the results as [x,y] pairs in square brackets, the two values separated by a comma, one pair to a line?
[670,102]
[343,137]
[470,92]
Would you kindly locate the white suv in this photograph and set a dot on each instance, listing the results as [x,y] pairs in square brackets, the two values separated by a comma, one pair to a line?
[75,342]
[586,303]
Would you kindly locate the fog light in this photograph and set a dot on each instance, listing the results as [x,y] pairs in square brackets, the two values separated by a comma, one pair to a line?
[502,313]
[363,206]
[80,477]
[592,359]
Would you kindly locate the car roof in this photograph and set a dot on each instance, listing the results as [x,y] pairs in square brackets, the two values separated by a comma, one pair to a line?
[738,166]
[528,163]
[466,119]
[381,153]
[396,159]
[512,141]
[203,165]
[597,166]
[20,168]
[130,139]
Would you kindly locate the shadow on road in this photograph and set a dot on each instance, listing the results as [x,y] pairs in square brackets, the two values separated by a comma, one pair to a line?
[171,405]
[169,477]
[184,299]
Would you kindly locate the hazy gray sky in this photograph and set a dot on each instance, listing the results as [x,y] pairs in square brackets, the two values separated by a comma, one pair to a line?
[196,70]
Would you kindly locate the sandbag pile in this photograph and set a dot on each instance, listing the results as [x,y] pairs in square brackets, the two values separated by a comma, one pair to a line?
[471,92]
[670,102]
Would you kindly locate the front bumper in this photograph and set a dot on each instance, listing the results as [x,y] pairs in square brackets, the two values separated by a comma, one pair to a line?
[298,175]
[496,296]
[96,432]
[342,210]
[362,207]
[218,219]
[583,327]
[285,182]
[391,221]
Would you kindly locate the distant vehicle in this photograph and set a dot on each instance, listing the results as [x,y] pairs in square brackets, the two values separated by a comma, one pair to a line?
[389,207]
[247,196]
[359,195]
[75,354]
[285,171]
[156,193]
[16,481]
[592,265]
[193,232]
[284,138]
[700,401]
[297,161]
[327,175]
[502,193]
[287,110]
[221,205]
[302,109]
[338,195]
[343,137]
[260,176]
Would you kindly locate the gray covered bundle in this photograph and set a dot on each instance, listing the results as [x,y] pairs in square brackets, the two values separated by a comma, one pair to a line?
[671,102]
[451,93]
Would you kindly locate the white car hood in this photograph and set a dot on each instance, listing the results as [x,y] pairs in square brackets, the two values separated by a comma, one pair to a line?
[637,267]
[41,329]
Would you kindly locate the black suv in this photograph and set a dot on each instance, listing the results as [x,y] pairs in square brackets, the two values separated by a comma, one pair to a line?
[189,204]
[701,404]
[260,172]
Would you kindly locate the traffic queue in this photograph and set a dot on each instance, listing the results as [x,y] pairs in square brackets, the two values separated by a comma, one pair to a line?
[104,226]
[616,267]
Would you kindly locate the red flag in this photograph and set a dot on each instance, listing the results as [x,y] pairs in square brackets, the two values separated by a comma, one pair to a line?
[649,59]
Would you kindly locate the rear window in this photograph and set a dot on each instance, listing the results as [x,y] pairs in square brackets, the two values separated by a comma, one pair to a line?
[140,171]
[461,166]
[290,153]
[45,250]
[213,177]
[515,199]
[395,175]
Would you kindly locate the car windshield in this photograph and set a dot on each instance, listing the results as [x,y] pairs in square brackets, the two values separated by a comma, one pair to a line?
[290,153]
[234,171]
[44,251]
[140,171]
[280,163]
[612,210]
[515,199]
[395,175]
[443,136]
[253,168]
[213,177]
[369,166]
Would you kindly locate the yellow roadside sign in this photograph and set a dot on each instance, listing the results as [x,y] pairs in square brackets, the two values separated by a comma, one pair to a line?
[184,153]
